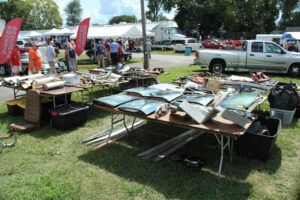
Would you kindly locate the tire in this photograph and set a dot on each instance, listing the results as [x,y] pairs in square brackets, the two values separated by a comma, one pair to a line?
[217,67]
[294,70]
[2,70]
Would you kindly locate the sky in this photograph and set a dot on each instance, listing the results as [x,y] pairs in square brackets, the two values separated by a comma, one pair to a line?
[101,11]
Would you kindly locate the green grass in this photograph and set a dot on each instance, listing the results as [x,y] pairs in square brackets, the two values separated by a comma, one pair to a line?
[52,164]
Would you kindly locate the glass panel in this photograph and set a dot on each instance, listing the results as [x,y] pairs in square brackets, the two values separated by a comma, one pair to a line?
[272,48]
[257,47]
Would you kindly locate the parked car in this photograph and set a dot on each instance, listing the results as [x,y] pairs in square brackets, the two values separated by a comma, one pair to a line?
[180,45]
[214,45]
[255,55]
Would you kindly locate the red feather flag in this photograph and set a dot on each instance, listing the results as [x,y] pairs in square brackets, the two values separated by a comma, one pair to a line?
[81,37]
[9,38]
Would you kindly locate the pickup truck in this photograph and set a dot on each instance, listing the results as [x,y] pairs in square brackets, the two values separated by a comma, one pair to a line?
[255,56]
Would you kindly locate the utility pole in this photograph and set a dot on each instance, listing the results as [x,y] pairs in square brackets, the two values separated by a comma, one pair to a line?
[146,56]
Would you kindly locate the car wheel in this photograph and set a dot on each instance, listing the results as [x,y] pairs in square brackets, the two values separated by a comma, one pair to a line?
[294,70]
[217,67]
[2,70]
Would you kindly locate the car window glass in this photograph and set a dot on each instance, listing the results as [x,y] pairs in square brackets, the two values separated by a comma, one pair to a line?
[272,48]
[191,41]
[28,45]
[257,47]
[180,41]
[19,42]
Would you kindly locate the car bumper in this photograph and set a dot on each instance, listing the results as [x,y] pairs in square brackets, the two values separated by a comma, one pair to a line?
[201,63]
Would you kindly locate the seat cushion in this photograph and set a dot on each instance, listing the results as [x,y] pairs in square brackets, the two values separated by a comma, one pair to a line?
[23,127]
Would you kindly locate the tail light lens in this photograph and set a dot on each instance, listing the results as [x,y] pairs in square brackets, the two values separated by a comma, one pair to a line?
[197,55]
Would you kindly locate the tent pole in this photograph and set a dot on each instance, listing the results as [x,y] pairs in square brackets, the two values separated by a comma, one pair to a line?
[146,56]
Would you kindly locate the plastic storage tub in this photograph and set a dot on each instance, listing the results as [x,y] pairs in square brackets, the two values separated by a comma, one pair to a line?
[286,116]
[66,117]
[259,146]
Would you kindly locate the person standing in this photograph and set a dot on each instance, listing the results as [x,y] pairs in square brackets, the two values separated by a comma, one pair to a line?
[148,48]
[114,47]
[100,51]
[72,57]
[35,61]
[15,62]
[50,52]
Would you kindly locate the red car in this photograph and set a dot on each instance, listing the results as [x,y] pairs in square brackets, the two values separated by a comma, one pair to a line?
[214,45]
[237,43]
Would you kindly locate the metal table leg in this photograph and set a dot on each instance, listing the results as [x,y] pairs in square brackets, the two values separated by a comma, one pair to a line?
[223,145]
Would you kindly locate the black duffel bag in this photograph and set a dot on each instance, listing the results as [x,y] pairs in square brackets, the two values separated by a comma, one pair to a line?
[284,96]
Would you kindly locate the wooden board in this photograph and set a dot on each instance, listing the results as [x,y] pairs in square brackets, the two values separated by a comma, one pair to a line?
[61,91]
[217,125]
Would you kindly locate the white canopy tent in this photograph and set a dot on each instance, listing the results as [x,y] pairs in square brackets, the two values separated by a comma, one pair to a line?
[53,31]
[28,35]
[106,32]
[66,31]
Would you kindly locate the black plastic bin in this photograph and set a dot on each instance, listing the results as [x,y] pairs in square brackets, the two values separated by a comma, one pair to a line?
[259,146]
[13,110]
[67,117]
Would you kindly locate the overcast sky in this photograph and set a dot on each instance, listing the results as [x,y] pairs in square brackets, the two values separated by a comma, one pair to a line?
[101,11]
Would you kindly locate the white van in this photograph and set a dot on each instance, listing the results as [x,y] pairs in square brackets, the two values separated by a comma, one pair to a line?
[181,44]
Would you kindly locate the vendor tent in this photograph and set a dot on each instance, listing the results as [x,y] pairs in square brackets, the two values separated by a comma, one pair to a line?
[66,31]
[125,31]
[29,35]
[53,31]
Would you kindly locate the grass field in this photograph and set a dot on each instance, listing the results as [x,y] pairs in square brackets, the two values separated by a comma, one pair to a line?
[51,164]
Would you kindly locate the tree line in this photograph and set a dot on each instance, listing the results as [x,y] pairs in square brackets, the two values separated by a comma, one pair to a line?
[220,18]
[228,18]
[40,14]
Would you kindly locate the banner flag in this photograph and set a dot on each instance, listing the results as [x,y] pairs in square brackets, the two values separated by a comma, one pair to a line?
[81,37]
[9,39]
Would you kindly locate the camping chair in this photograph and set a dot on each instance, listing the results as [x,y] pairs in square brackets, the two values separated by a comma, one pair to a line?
[32,114]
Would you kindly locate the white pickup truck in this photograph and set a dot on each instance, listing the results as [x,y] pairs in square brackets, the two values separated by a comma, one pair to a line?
[255,55]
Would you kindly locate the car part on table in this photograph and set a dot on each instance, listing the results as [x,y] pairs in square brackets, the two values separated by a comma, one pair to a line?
[240,101]
[141,106]
[203,99]
[167,86]
[167,95]
[53,85]
[259,76]
[198,113]
[241,118]
[115,100]
[161,110]
[71,79]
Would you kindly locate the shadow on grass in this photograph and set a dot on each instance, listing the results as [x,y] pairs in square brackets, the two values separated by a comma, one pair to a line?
[173,180]
[169,179]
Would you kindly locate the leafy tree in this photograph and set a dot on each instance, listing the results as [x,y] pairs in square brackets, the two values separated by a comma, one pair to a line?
[203,16]
[8,10]
[39,14]
[123,18]
[286,7]
[73,11]
[156,6]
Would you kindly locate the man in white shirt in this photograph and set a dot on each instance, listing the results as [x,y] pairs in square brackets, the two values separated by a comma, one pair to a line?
[50,52]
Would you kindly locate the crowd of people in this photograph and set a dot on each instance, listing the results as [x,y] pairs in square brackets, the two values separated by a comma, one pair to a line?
[107,52]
